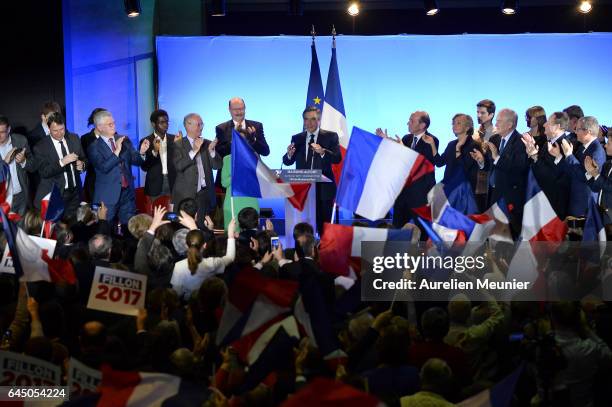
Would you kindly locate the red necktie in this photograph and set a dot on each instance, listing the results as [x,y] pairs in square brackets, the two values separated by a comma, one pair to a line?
[124,181]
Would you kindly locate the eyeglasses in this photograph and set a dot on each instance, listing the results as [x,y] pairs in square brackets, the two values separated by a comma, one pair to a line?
[582,129]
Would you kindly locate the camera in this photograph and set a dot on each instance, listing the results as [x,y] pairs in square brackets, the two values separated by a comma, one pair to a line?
[171,216]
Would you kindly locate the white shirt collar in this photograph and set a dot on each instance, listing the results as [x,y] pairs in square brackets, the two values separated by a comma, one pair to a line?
[316,134]
[589,143]
[418,136]
[239,126]
[45,128]
[554,140]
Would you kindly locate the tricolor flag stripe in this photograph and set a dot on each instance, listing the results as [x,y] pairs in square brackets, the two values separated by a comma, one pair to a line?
[374,174]
[340,244]
[254,179]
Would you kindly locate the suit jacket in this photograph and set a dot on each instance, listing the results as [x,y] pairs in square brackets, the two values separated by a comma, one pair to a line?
[510,172]
[19,141]
[552,180]
[108,168]
[464,162]
[90,176]
[573,167]
[307,272]
[186,183]
[153,166]
[49,168]
[603,185]
[415,195]
[329,141]
[223,133]
[37,134]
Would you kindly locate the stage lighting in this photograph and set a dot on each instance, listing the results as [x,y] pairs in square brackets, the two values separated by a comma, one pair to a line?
[509,6]
[353,9]
[295,7]
[217,8]
[585,7]
[132,8]
[431,7]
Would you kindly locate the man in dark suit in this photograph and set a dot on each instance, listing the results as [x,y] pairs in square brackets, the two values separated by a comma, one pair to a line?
[60,160]
[415,195]
[254,130]
[318,149]
[112,157]
[40,132]
[600,181]
[194,159]
[158,162]
[14,150]
[507,159]
[86,140]
[549,176]
[587,129]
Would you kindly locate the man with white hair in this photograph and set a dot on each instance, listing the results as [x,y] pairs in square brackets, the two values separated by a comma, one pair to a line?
[587,129]
[509,165]
[112,157]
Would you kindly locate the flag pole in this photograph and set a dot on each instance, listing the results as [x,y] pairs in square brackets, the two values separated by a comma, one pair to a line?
[232,206]
[42,228]
[333,217]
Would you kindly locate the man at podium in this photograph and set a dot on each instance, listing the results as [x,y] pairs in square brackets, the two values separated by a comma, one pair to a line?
[317,149]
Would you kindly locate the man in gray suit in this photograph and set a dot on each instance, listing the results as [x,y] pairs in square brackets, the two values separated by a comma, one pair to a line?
[194,159]
[15,151]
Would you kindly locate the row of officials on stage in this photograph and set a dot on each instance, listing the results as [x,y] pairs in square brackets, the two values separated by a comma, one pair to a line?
[566,150]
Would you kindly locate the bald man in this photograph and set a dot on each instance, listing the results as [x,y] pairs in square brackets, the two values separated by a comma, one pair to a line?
[254,130]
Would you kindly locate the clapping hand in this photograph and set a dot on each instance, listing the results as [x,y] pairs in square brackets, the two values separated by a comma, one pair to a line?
[568,148]
[118,144]
[197,143]
[212,145]
[493,149]
[178,137]
[144,146]
[591,166]
[477,156]
[554,150]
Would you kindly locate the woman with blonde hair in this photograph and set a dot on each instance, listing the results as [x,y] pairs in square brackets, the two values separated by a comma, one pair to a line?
[190,273]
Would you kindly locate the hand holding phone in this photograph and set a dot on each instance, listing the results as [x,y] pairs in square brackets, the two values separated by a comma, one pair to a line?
[171,216]
[274,242]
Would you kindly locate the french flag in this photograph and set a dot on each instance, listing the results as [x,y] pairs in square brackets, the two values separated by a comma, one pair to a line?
[133,389]
[32,263]
[450,225]
[498,213]
[456,192]
[540,224]
[256,308]
[333,116]
[51,209]
[254,179]
[6,191]
[375,172]
[499,395]
[340,246]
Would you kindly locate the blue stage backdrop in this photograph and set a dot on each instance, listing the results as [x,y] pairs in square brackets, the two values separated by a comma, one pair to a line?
[384,78]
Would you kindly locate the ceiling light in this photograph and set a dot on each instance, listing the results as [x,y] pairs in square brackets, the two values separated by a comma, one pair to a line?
[431,7]
[585,7]
[353,9]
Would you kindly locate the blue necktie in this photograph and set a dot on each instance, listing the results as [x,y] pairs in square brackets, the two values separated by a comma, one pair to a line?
[502,146]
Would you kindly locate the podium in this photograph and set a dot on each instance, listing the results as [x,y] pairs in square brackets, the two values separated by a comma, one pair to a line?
[309,214]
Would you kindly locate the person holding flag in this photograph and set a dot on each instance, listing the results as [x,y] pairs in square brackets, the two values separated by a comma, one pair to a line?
[315,148]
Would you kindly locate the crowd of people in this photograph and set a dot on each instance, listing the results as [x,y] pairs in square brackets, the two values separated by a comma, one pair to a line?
[403,353]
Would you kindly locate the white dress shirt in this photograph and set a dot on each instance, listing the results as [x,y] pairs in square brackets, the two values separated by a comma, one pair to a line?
[58,150]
